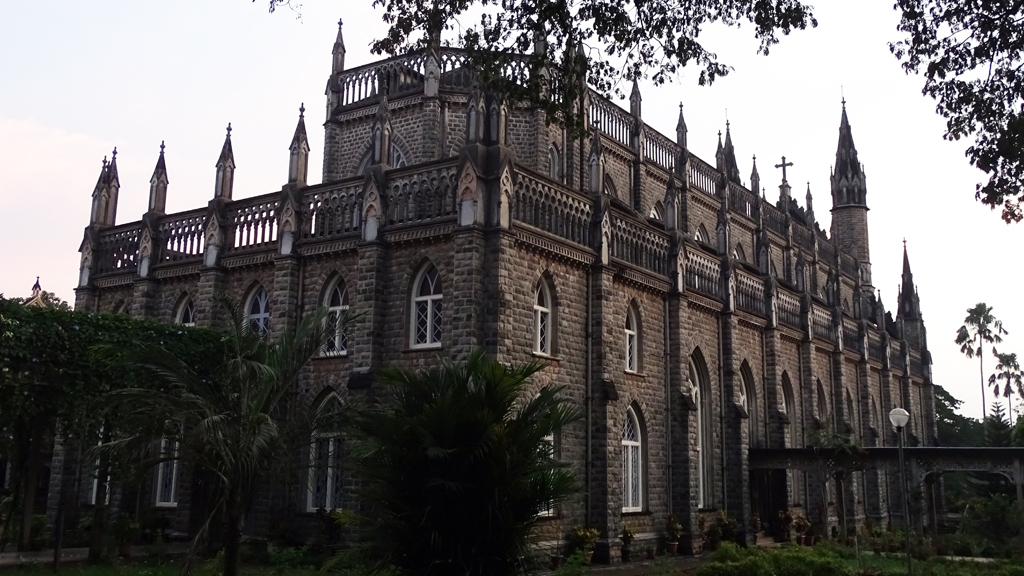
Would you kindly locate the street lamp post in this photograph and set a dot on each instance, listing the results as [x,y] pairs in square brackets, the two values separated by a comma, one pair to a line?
[899,418]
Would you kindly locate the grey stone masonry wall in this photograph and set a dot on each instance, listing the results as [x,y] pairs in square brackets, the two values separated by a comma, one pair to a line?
[497,220]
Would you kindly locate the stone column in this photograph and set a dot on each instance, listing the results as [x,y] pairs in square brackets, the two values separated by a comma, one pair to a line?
[468,289]
[367,331]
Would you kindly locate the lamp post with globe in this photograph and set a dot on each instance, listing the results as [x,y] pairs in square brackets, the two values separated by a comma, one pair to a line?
[899,418]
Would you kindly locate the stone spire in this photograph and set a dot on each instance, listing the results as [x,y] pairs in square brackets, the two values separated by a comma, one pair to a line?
[635,100]
[225,169]
[755,178]
[720,154]
[909,302]
[158,185]
[849,200]
[732,170]
[99,198]
[681,129]
[810,205]
[112,185]
[338,62]
[381,133]
[298,159]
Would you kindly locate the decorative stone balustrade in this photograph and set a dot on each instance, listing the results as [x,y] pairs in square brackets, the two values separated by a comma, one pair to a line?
[552,208]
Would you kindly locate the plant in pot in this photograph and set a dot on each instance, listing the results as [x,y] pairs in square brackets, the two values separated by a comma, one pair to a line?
[627,539]
[584,539]
[710,528]
[785,523]
[673,530]
[125,531]
[801,524]
[556,555]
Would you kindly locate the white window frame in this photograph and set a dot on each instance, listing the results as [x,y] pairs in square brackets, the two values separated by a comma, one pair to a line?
[632,465]
[187,307]
[656,212]
[701,235]
[550,510]
[632,341]
[542,320]
[554,164]
[333,448]
[339,338]
[161,472]
[434,320]
[259,321]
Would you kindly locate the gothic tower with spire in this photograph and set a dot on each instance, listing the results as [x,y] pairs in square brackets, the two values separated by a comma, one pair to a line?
[849,201]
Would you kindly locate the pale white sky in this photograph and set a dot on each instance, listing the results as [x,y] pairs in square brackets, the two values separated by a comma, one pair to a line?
[78,78]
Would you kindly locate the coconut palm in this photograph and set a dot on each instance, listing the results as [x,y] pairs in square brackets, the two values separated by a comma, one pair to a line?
[224,419]
[1008,369]
[456,466]
[980,327]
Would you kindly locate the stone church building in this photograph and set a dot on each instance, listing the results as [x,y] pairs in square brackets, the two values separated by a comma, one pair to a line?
[693,321]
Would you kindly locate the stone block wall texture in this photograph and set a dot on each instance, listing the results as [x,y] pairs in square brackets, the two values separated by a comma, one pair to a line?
[489,275]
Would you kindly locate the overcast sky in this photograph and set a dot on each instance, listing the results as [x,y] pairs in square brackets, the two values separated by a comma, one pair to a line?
[79,78]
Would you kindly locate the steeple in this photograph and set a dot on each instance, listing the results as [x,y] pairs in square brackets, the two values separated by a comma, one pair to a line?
[225,169]
[681,129]
[909,303]
[732,170]
[849,201]
[720,154]
[338,63]
[810,204]
[755,178]
[158,185]
[99,198]
[112,184]
[634,100]
[298,159]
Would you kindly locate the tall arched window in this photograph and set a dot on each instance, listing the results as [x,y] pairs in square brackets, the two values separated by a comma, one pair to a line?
[326,483]
[657,212]
[632,464]
[789,408]
[822,410]
[701,235]
[632,333]
[749,402]
[701,400]
[426,309]
[167,474]
[187,313]
[554,164]
[738,253]
[851,415]
[337,313]
[542,320]
[259,312]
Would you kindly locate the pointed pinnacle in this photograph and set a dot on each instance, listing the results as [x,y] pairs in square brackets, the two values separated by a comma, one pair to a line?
[161,147]
[229,130]
[302,110]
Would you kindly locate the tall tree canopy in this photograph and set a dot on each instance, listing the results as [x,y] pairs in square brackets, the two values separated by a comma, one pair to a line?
[971,54]
[579,42]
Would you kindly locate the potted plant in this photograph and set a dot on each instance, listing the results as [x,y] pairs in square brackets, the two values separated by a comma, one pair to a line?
[125,530]
[627,539]
[801,525]
[584,539]
[785,522]
[673,529]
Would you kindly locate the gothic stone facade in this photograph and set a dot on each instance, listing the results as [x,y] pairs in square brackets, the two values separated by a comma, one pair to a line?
[693,320]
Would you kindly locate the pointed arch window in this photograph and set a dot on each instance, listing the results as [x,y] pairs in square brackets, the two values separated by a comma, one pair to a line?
[167,474]
[632,464]
[426,309]
[702,415]
[554,164]
[609,186]
[542,332]
[552,442]
[326,449]
[187,313]
[738,253]
[748,400]
[657,212]
[822,410]
[337,314]
[850,413]
[701,235]
[632,334]
[259,312]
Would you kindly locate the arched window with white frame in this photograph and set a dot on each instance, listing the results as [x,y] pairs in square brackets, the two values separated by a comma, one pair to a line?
[337,314]
[167,474]
[542,319]
[426,309]
[657,212]
[702,415]
[701,235]
[554,164]
[551,440]
[186,313]
[326,450]
[632,340]
[632,463]
[259,312]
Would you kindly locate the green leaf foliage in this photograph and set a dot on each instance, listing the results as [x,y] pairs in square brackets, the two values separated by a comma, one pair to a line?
[456,464]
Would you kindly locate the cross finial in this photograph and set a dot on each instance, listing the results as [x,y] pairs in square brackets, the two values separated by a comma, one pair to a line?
[904,243]
[339,22]
[113,155]
[302,110]
[161,147]
[229,129]
[783,166]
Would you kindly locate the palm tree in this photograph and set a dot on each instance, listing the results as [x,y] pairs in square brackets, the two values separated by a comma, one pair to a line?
[979,327]
[225,419]
[457,466]
[1007,369]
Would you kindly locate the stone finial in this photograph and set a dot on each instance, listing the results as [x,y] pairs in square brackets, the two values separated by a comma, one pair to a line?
[298,159]
[755,178]
[338,62]
[681,129]
[635,99]
[158,185]
[225,169]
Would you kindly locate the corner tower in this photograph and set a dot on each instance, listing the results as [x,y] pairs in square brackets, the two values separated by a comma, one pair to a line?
[849,201]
